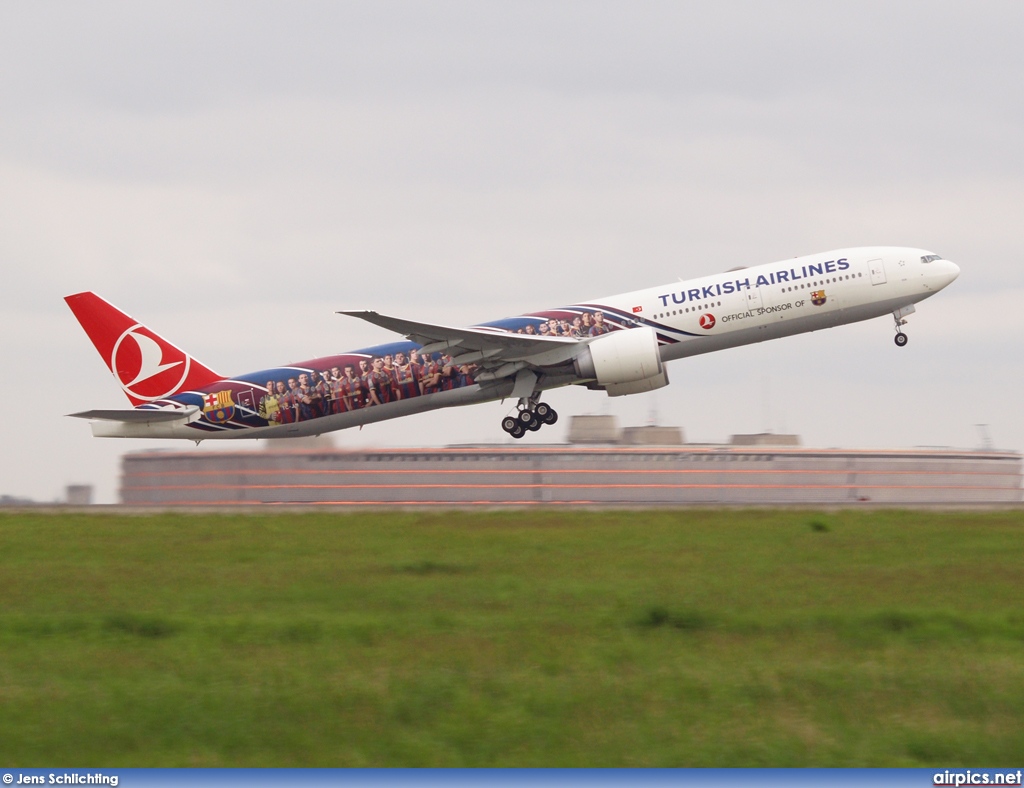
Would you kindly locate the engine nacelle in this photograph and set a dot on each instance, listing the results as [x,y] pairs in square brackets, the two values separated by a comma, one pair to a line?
[624,362]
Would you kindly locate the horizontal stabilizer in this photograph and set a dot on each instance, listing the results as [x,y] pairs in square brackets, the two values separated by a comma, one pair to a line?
[141,416]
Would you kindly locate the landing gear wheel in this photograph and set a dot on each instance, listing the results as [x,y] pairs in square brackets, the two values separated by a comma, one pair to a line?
[900,339]
[532,415]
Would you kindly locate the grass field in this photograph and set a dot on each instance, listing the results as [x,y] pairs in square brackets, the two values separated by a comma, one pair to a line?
[653,638]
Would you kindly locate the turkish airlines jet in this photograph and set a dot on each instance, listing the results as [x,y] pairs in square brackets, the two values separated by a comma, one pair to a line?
[618,344]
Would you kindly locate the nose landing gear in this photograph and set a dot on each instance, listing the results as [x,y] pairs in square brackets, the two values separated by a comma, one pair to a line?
[899,316]
[531,416]
[900,339]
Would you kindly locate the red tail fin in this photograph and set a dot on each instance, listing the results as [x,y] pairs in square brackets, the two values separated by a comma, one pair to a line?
[147,366]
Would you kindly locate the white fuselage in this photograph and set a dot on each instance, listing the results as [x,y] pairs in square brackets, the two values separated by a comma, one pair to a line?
[876,281]
[738,307]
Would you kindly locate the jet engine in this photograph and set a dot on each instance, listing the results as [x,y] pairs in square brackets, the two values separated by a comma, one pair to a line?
[623,362]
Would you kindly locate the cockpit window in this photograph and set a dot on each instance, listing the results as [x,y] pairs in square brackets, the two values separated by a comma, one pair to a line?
[930,258]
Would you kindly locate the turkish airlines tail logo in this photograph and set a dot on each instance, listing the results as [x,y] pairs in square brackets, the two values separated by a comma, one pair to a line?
[152,355]
[147,366]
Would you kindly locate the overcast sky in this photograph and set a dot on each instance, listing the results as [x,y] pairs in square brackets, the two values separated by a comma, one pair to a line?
[232,174]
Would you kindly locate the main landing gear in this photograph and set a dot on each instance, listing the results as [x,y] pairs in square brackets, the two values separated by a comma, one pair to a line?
[532,415]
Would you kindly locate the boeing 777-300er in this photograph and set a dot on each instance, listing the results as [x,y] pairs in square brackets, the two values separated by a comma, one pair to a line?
[618,344]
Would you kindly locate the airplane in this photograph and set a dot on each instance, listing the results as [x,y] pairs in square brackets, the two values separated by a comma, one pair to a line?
[618,344]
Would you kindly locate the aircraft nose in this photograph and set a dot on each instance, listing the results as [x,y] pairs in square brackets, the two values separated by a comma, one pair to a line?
[941,273]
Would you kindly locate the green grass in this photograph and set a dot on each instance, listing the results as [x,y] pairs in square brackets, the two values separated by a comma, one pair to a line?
[654,638]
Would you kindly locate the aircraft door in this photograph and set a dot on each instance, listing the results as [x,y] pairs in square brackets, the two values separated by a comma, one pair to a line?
[877,272]
[754,298]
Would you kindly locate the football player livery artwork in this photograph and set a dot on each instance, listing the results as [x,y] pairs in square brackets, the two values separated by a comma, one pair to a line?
[619,345]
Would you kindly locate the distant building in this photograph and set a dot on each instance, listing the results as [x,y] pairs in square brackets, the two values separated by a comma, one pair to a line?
[11,500]
[764,439]
[608,475]
[78,495]
[652,435]
[594,429]
[310,442]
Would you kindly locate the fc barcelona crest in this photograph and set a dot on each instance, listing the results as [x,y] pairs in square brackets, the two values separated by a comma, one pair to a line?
[818,298]
[218,406]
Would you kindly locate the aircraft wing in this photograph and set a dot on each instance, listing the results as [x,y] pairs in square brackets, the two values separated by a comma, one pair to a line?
[490,348]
